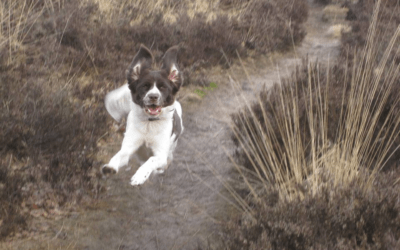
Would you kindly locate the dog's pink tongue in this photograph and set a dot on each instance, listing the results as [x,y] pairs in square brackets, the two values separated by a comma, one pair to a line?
[155,111]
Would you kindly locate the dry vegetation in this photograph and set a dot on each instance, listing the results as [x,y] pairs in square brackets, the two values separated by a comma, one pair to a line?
[319,152]
[58,58]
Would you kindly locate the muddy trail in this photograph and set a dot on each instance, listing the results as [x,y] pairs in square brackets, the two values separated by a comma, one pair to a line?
[183,208]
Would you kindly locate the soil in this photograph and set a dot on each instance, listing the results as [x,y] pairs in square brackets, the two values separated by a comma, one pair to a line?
[186,207]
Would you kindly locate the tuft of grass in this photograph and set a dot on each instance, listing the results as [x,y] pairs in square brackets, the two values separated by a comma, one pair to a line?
[318,141]
[16,19]
[338,119]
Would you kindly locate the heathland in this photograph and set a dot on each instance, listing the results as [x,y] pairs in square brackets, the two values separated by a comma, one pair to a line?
[315,162]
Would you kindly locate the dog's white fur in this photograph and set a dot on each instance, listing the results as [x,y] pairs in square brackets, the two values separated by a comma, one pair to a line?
[154,117]
[139,130]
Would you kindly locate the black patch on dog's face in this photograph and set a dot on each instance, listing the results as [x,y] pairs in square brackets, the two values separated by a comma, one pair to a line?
[141,78]
[140,87]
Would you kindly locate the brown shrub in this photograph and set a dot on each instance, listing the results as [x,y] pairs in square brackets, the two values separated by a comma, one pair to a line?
[360,16]
[48,143]
[336,218]
[273,25]
[11,197]
[262,26]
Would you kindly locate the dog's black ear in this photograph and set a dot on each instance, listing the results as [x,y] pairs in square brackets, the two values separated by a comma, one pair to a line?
[142,61]
[170,65]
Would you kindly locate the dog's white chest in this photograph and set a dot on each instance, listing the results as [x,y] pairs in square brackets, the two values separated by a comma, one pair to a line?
[151,132]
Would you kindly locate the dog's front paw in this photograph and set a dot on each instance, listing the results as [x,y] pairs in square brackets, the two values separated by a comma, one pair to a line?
[107,170]
[140,177]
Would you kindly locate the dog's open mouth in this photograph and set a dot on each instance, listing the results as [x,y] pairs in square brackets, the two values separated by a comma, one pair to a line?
[153,110]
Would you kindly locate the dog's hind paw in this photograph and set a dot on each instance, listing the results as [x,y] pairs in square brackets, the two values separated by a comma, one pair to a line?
[107,170]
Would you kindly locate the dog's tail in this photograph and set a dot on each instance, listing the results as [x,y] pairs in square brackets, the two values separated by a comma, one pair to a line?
[118,102]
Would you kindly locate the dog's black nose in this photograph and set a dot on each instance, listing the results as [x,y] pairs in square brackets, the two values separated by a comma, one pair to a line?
[153,97]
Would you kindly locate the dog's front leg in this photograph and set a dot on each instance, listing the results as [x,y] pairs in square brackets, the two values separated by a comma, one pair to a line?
[152,164]
[131,142]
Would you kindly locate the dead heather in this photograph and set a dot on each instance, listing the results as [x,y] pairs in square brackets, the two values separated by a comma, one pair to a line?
[318,154]
[335,218]
[360,16]
[59,58]
[204,30]
[48,147]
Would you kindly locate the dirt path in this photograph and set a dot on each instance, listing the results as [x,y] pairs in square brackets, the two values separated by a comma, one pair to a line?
[178,210]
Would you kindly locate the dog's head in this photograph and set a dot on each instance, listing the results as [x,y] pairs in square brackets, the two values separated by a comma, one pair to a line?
[154,89]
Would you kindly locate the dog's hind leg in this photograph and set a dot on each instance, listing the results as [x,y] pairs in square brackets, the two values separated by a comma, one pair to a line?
[162,169]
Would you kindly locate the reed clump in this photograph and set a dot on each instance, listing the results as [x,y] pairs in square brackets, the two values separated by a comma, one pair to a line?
[318,153]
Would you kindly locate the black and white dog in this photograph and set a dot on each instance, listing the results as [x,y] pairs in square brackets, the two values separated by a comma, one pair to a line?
[154,117]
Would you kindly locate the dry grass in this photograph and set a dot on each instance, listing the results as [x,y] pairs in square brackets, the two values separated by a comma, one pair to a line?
[59,58]
[315,145]
[332,118]
[98,35]
[50,119]
[16,19]
[360,17]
